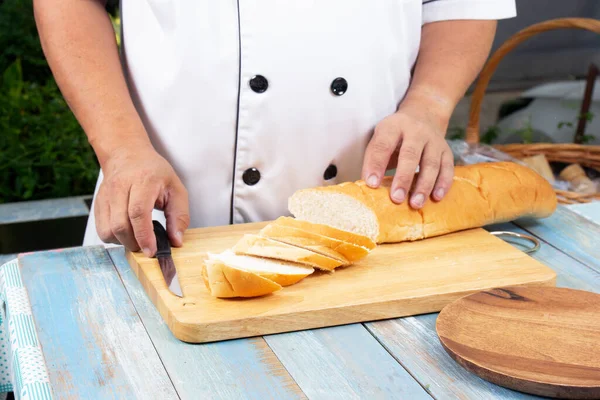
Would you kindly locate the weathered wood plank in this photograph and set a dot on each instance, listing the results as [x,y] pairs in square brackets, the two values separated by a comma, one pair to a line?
[92,338]
[414,342]
[35,210]
[590,211]
[235,369]
[343,362]
[570,232]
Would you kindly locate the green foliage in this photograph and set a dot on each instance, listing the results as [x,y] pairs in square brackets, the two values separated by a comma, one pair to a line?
[588,116]
[112,6]
[526,132]
[585,139]
[456,133]
[19,39]
[490,134]
[44,153]
[116,23]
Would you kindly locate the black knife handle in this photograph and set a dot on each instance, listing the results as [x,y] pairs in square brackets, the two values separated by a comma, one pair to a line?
[163,246]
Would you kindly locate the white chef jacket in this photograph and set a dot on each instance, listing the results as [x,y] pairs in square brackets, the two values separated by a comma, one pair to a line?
[251,100]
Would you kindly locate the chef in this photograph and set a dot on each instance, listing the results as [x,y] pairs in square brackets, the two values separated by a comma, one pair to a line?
[215,112]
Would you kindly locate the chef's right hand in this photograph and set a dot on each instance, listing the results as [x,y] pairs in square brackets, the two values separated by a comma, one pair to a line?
[135,182]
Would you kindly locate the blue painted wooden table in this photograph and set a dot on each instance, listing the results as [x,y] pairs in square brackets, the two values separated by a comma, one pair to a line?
[103,339]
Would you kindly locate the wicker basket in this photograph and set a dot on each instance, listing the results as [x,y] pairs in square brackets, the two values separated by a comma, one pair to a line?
[585,155]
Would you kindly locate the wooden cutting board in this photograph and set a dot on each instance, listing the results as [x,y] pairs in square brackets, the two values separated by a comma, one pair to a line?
[395,280]
[539,340]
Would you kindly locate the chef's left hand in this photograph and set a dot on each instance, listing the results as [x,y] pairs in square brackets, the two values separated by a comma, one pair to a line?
[413,135]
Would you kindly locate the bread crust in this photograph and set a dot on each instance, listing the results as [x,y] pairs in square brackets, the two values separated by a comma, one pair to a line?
[481,194]
[344,251]
[284,279]
[224,281]
[259,246]
[326,230]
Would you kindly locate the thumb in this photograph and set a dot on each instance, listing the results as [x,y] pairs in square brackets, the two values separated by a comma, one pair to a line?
[177,214]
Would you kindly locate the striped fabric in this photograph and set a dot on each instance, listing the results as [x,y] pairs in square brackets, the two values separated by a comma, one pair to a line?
[22,331]
[11,275]
[36,390]
[22,366]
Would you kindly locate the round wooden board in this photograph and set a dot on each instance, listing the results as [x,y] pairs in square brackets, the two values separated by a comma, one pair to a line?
[538,340]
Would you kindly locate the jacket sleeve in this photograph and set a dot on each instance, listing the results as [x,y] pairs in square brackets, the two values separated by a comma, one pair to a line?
[444,10]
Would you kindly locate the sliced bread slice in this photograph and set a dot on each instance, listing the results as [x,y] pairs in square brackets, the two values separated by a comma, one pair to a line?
[327,230]
[349,252]
[281,272]
[224,281]
[309,244]
[259,246]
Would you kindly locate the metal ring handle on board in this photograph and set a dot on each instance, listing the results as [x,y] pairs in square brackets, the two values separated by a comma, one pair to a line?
[536,243]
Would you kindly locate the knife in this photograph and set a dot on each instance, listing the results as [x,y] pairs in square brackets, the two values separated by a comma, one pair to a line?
[165,261]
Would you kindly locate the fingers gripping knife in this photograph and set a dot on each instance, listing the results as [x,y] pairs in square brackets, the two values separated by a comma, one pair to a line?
[163,254]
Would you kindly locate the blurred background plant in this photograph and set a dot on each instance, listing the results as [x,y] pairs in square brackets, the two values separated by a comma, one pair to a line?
[44,153]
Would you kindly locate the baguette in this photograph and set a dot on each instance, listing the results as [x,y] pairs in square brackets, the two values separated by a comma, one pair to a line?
[481,194]
[325,245]
[258,246]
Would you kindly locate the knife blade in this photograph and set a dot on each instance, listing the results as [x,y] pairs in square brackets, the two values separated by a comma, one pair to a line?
[165,260]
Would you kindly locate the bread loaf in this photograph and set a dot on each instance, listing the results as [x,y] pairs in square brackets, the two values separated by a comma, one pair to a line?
[481,194]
